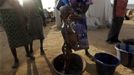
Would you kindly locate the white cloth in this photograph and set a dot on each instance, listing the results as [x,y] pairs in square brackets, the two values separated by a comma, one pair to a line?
[99,14]
[58,19]
[57,16]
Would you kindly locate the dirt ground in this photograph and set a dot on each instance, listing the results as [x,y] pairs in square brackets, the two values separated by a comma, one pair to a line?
[52,45]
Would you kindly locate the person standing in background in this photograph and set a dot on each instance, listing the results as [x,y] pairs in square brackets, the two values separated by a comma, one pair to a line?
[14,24]
[119,11]
[34,23]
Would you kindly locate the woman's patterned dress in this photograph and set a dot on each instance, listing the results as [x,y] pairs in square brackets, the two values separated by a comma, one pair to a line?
[17,33]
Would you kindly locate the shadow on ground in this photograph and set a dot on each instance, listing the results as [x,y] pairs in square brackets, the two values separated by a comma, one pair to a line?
[32,68]
[49,64]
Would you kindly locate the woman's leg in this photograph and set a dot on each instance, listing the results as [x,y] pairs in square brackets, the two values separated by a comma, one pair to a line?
[16,61]
[28,54]
[41,47]
[87,53]
[31,47]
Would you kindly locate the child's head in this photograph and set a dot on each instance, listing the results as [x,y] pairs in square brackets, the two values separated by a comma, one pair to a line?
[65,11]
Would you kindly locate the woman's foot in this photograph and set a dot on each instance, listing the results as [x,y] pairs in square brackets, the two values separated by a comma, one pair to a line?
[113,41]
[30,56]
[87,53]
[15,65]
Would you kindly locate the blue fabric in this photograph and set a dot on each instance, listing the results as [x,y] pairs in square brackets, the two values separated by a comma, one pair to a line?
[65,1]
[59,4]
[81,26]
[81,30]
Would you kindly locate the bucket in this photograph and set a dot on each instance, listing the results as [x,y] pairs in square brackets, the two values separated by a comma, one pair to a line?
[125,52]
[76,67]
[106,63]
